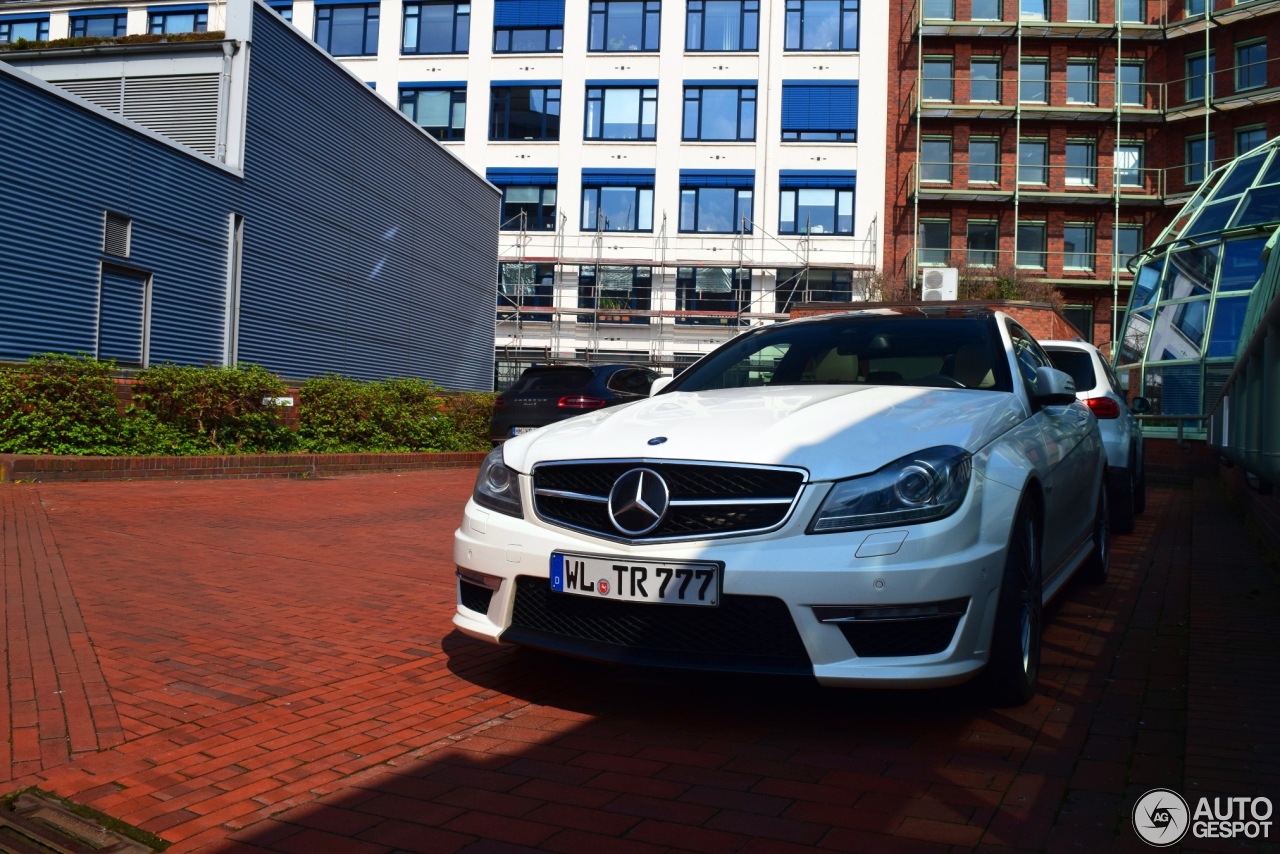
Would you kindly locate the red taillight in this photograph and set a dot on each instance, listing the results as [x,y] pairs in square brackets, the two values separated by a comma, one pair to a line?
[1103,407]
[580,401]
[499,402]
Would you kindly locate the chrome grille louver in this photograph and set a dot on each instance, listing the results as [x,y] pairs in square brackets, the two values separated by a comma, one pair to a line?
[707,499]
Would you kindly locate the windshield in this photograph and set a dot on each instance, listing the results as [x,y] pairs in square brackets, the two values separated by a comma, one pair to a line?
[941,352]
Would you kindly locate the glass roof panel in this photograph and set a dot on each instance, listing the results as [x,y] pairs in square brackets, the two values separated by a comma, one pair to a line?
[1213,217]
[1144,285]
[1178,332]
[1242,264]
[1272,175]
[1190,273]
[1228,320]
[1261,205]
[1241,176]
[1134,343]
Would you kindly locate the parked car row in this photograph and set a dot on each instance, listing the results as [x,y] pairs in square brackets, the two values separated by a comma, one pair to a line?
[874,498]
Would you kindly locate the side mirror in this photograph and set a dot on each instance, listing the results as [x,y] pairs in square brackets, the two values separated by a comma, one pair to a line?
[1056,388]
[659,384]
[1140,406]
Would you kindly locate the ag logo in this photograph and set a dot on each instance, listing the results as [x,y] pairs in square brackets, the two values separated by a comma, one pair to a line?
[1161,818]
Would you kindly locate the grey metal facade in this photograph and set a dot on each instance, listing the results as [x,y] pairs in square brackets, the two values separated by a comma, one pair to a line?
[368,250]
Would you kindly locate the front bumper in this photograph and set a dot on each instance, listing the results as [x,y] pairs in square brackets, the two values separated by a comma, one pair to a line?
[957,561]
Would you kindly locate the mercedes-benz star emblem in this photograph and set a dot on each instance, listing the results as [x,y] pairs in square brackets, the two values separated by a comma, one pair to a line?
[638,502]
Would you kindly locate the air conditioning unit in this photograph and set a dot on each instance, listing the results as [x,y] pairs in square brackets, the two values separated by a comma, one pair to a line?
[941,283]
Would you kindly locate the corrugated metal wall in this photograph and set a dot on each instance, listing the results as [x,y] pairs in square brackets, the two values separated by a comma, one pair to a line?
[63,168]
[368,250]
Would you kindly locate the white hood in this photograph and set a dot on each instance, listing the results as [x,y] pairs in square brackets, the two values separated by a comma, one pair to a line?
[832,431]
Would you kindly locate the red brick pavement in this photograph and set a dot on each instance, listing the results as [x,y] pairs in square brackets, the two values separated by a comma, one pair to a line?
[282,671]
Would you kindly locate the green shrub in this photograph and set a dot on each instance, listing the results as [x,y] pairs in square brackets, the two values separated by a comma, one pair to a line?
[60,404]
[471,413]
[213,409]
[339,414]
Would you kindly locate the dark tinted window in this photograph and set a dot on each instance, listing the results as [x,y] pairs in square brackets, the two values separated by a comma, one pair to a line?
[631,382]
[1078,364]
[943,352]
[553,379]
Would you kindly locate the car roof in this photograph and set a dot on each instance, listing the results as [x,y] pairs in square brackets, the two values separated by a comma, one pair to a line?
[594,367]
[1063,344]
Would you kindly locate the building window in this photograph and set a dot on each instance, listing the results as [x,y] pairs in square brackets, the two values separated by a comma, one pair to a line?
[616,291]
[816,202]
[1128,242]
[624,25]
[1132,87]
[1033,161]
[728,25]
[178,19]
[28,28]
[822,25]
[935,242]
[938,83]
[939,10]
[795,286]
[935,160]
[1082,82]
[523,27]
[1128,164]
[1031,250]
[1082,164]
[1251,65]
[97,26]
[1193,8]
[716,113]
[985,10]
[1034,10]
[1200,68]
[618,112]
[1077,246]
[528,198]
[712,289]
[1081,317]
[983,244]
[348,30]
[617,200]
[436,28]
[524,112]
[525,285]
[716,201]
[1199,151]
[984,80]
[984,160]
[1131,11]
[820,112]
[1033,85]
[440,112]
[1247,139]
[1082,10]
[283,8]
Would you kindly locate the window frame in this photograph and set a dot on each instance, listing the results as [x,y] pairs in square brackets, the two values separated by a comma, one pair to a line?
[981,254]
[456,18]
[119,25]
[1091,84]
[1202,81]
[1043,166]
[640,297]
[693,95]
[457,96]
[950,79]
[1092,15]
[794,12]
[793,134]
[923,260]
[598,14]
[748,23]
[200,21]
[1029,62]
[495,99]
[601,99]
[1251,68]
[1139,169]
[743,206]
[640,191]
[553,38]
[1090,232]
[993,81]
[840,194]
[1042,252]
[541,224]
[1119,260]
[1195,170]
[994,164]
[1140,85]
[1090,179]
[1236,133]
[41,25]
[948,164]
[372,15]
[687,299]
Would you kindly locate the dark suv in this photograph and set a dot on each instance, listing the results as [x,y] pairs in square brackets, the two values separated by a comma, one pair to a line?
[550,393]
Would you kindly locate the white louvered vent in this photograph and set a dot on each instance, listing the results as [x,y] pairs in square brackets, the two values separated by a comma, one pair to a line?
[182,107]
[115,234]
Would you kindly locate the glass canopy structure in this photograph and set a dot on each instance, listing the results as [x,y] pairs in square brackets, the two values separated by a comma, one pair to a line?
[1191,289]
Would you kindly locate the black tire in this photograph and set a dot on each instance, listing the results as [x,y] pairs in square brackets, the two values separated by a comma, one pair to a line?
[1013,671]
[1140,488]
[1098,564]
[1123,504]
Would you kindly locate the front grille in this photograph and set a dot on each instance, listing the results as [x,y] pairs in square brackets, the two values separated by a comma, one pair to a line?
[705,498]
[474,597]
[875,639]
[747,633]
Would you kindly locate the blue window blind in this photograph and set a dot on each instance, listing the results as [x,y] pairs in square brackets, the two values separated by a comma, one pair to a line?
[23,19]
[120,315]
[800,179]
[435,84]
[617,177]
[740,178]
[164,10]
[819,105]
[516,177]
[528,13]
[96,13]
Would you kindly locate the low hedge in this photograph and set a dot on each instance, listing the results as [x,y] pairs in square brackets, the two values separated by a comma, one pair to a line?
[60,404]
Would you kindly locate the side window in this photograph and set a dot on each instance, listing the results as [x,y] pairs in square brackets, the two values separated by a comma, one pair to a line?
[624,382]
[1028,355]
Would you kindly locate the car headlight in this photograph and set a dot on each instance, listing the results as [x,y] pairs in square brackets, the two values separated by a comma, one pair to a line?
[498,487]
[917,488]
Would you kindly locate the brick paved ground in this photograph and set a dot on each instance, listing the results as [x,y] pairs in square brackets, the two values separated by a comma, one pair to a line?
[269,665]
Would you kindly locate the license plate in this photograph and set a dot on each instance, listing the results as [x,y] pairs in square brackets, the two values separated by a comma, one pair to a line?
[516,431]
[665,582]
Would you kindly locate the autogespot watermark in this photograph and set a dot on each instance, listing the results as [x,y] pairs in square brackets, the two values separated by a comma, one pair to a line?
[1162,818]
